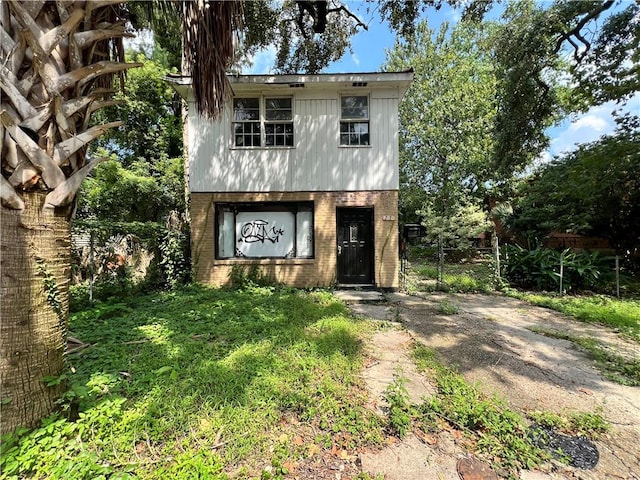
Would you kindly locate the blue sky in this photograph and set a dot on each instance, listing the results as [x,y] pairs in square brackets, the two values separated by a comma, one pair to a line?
[369,53]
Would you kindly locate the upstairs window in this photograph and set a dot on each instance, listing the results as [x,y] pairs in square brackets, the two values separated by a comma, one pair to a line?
[354,120]
[263,122]
[246,122]
[278,127]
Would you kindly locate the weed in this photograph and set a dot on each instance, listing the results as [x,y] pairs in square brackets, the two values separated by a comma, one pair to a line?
[448,308]
[192,383]
[400,408]
[498,432]
[463,278]
[243,276]
[587,424]
[615,367]
[621,314]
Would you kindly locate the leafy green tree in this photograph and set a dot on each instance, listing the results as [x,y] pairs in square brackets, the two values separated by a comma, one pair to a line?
[594,190]
[151,112]
[141,192]
[610,69]
[144,180]
[556,59]
[446,118]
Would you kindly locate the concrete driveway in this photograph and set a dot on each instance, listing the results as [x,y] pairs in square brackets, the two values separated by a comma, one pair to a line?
[492,340]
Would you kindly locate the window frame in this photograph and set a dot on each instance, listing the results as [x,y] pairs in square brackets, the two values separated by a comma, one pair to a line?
[244,122]
[264,124]
[294,207]
[352,121]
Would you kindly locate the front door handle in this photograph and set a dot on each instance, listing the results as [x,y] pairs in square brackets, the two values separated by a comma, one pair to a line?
[339,249]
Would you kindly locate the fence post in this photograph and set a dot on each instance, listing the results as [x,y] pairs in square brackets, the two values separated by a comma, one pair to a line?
[561,270]
[440,261]
[618,276]
[91,260]
[496,251]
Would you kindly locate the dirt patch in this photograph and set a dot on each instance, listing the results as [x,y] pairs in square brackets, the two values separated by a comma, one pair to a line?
[490,341]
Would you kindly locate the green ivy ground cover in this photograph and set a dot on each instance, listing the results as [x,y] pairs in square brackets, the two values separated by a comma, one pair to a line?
[201,383]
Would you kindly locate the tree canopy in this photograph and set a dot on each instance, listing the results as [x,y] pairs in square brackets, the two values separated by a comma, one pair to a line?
[593,191]
[446,118]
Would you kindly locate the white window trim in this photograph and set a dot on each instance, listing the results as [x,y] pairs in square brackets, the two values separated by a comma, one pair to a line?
[263,122]
[340,119]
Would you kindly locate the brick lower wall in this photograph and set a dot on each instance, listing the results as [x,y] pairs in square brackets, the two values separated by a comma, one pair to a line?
[319,271]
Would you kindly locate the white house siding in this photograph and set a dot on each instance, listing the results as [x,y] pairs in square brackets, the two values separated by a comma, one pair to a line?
[316,163]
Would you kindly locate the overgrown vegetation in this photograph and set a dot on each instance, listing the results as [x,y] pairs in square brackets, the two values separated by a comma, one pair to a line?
[541,269]
[491,428]
[400,409]
[615,367]
[621,314]
[129,258]
[471,274]
[618,313]
[203,383]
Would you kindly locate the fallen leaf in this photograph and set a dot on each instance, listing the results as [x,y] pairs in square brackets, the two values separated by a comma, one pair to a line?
[290,466]
[298,440]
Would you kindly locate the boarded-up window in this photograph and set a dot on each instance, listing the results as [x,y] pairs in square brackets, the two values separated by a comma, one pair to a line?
[264,230]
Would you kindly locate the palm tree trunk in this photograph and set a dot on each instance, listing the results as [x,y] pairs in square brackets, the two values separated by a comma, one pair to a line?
[56,60]
[35,257]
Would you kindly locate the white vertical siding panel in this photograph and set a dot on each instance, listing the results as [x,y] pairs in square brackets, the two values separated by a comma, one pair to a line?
[304,150]
[316,163]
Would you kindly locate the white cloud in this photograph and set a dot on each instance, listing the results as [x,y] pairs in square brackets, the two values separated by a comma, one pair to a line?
[588,127]
[355,59]
[589,122]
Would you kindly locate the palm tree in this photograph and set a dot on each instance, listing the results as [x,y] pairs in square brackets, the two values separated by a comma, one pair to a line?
[57,63]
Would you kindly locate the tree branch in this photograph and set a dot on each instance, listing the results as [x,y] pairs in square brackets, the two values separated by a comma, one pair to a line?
[575,31]
[344,9]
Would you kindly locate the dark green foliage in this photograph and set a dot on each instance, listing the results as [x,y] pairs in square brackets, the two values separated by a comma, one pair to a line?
[168,245]
[540,269]
[524,48]
[594,191]
[616,52]
[152,115]
[175,258]
[144,178]
[142,192]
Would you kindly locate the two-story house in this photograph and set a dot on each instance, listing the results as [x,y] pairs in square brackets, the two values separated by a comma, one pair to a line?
[298,176]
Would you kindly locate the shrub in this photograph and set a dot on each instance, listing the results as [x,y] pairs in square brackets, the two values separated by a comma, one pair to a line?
[540,268]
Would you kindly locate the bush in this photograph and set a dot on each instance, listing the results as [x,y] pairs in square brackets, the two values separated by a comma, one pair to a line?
[539,269]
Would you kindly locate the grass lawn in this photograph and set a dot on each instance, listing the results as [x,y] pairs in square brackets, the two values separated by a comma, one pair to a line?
[204,383]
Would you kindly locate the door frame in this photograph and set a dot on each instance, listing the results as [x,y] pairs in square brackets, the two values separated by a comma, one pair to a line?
[370,219]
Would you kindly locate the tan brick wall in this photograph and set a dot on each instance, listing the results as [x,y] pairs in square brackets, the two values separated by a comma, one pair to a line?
[319,271]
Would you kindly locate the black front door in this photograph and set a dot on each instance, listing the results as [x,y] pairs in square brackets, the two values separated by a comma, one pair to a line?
[355,246]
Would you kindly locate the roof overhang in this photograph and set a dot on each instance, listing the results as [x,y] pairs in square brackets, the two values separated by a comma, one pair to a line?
[248,83]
